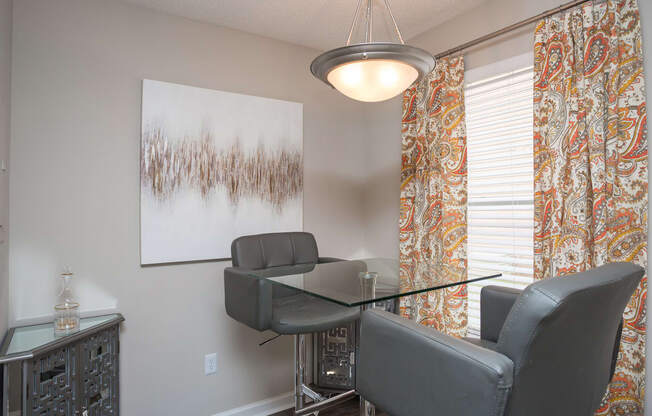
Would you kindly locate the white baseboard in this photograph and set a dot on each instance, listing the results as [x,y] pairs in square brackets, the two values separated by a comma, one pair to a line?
[262,408]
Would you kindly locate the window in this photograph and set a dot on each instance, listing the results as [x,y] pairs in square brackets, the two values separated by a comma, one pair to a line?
[500,177]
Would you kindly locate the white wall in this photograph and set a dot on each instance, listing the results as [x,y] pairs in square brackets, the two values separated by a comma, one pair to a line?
[5,93]
[78,66]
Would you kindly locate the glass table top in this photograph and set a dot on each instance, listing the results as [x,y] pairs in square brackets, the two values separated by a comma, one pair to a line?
[341,282]
[27,338]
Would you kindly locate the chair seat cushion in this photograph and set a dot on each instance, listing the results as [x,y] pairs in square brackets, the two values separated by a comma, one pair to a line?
[303,314]
[490,345]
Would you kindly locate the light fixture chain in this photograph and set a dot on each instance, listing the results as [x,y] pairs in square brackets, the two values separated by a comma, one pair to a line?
[398,32]
[370,20]
[355,18]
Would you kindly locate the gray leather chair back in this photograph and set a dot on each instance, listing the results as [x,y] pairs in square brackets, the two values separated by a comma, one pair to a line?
[560,335]
[252,300]
[263,251]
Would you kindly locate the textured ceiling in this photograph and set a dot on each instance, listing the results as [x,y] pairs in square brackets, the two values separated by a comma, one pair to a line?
[320,24]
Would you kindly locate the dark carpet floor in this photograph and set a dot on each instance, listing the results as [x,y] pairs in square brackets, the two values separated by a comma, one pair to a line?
[348,408]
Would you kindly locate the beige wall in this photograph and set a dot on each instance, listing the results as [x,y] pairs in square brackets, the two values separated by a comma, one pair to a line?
[383,156]
[383,166]
[78,66]
[645,7]
[5,93]
[384,119]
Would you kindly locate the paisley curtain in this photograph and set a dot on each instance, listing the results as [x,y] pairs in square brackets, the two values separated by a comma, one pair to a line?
[433,196]
[590,161]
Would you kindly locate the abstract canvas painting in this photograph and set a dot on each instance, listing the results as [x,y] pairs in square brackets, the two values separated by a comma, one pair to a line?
[214,166]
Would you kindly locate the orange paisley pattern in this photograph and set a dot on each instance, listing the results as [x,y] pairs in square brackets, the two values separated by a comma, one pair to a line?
[433,195]
[590,161]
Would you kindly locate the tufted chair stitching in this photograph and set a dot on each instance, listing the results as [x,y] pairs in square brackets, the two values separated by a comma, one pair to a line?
[514,311]
[501,403]
[294,253]
[535,330]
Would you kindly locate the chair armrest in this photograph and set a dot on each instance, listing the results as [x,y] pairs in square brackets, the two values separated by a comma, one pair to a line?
[495,304]
[408,369]
[328,259]
[248,299]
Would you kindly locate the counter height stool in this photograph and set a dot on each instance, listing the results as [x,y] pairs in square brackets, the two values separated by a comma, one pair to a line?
[259,304]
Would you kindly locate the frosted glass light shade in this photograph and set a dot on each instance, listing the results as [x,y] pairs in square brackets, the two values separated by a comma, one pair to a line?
[372,80]
[372,71]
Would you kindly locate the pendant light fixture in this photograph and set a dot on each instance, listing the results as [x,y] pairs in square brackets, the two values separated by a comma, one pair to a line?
[370,70]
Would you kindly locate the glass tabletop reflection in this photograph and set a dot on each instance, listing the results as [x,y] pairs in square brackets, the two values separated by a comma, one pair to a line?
[343,282]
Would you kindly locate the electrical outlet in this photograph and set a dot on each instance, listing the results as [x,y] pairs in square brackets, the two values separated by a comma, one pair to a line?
[210,363]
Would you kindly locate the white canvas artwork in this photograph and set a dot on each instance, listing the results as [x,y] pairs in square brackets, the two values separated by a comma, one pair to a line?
[214,166]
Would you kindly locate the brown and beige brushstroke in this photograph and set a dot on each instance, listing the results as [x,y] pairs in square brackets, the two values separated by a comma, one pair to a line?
[167,166]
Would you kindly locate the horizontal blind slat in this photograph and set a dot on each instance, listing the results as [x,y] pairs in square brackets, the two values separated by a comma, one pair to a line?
[500,184]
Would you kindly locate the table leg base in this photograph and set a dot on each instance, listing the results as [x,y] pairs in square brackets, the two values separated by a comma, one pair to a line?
[302,391]
[367,408]
[326,403]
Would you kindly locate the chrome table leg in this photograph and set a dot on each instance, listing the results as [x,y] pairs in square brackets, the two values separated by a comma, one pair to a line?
[368,282]
[366,408]
[301,390]
[299,369]
[326,403]
[368,285]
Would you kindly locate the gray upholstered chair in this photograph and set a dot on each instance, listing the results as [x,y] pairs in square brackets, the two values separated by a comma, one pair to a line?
[547,351]
[262,305]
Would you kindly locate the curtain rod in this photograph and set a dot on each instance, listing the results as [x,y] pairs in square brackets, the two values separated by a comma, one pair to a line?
[510,28]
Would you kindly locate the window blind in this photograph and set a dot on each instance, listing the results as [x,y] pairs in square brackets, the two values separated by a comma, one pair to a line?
[500,183]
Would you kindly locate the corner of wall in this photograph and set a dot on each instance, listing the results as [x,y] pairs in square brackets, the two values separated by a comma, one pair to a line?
[383,177]
[645,10]
[6,17]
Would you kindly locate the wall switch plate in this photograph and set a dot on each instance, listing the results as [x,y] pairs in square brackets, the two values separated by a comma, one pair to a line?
[210,363]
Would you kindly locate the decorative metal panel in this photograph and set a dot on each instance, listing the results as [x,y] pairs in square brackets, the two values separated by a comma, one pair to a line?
[336,357]
[99,373]
[51,380]
[78,379]
[336,350]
